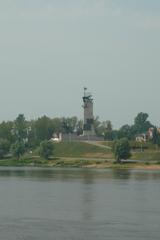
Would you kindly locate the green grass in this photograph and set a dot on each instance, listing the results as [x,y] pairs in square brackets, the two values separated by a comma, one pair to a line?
[37,161]
[78,149]
[52,162]
[144,145]
[147,155]
[65,154]
[15,162]
[107,143]
[73,162]
[78,154]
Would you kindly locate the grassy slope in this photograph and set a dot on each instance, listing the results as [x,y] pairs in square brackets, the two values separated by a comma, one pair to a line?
[65,154]
[150,152]
[107,143]
[79,154]
[80,149]
[148,155]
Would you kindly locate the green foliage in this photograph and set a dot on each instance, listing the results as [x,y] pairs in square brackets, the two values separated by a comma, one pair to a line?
[141,118]
[46,149]
[43,129]
[18,149]
[4,147]
[6,131]
[69,124]
[125,132]
[20,128]
[141,125]
[33,132]
[108,130]
[97,126]
[104,129]
[147,155]
[141,145]
[156,137]
[122,149]
[79,127]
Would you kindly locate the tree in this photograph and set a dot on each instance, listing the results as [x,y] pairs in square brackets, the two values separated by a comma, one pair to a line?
[31,136]
[103,129]
[141,125]
[158,140]
[97,126]
[141,118]
[69,124]
[20,130]
[18,149]
[79,127]
[122,149]
[43,129]
[6,131]
[108,130]
[46,149]
[125,132]
[57,125]
[156,137]
[4,147]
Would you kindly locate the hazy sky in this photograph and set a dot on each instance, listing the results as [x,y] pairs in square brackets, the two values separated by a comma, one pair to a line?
[50,49]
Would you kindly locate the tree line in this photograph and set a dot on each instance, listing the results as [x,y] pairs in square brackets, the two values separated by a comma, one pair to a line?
[21,135]
[140,125]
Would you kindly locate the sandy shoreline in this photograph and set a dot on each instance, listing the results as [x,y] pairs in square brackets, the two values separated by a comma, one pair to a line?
[124,166]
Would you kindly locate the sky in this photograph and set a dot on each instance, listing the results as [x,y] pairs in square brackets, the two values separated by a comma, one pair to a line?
[51,49]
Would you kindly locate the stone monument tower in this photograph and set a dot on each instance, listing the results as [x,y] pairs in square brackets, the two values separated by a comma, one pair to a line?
[88,128]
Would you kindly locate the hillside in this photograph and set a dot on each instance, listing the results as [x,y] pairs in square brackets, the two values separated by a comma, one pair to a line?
[81,149]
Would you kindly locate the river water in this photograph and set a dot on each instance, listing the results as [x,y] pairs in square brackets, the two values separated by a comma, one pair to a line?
[66,204]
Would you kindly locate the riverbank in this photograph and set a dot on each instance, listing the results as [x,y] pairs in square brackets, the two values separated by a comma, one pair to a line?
[87,155]
[80,163]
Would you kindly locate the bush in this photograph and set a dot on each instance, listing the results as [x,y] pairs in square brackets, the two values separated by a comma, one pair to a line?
[46,149]
[121,149]
[4,147]
[18,149]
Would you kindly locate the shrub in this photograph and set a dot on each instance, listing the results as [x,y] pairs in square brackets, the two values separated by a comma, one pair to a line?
[46,149]
[18,149]
[121,149]
[4,147]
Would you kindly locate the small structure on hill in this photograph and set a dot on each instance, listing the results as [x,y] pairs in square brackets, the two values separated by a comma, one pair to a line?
[144,137]
[56,138]
[141,138]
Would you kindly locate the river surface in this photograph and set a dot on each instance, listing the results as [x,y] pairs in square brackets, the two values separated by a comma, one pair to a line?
[66,204]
